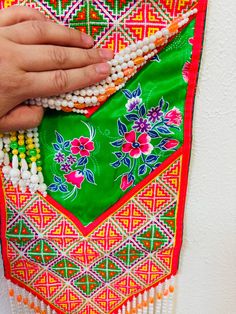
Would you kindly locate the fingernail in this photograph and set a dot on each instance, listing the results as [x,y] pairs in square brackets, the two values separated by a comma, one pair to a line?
[88,40]
[103,68]
[106,53]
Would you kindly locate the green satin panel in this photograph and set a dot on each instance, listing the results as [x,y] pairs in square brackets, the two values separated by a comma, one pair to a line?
[157,80]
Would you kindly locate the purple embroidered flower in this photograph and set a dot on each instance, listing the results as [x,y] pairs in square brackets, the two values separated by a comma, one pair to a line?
[71,159]
[154,114]
[59,157]
[65,167]
[142,125]
[133,103]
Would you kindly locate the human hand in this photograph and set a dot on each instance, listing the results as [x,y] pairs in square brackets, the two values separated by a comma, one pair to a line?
[39,58]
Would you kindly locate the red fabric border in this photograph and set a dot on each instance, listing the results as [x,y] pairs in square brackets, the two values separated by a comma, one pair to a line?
[192,85]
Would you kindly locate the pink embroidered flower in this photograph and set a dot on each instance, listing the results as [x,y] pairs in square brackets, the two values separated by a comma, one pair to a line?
[135,147]
[168,144]
[173,117]
[185,71]
[125,184]
[75,177]
[82,146]
[191,40]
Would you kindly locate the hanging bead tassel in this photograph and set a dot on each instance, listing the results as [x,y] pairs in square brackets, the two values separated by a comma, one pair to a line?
[158,300]
[21,161]
[23,302]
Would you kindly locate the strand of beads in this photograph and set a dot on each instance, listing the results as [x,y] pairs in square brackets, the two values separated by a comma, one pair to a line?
[125,64]
[21,160]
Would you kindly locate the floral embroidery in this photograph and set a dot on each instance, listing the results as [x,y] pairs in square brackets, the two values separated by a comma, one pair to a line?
[136,146]
[73,157]
[82,146]
[185,71]
[173,117]
[138,152]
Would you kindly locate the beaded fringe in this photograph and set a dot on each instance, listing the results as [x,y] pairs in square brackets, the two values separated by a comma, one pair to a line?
[23,302]
[158,300]
[21,161]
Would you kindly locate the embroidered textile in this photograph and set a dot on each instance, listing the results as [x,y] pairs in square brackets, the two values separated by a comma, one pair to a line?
[107,237]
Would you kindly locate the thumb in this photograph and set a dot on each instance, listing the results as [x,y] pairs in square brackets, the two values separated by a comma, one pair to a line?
[21,117]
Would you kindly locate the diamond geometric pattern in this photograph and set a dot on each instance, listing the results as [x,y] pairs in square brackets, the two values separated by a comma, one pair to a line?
[152,238]
[20,233]
[113,23]
[67,268]
[107,269]
[47,284]
[87,284]
[129,254]
[42,252]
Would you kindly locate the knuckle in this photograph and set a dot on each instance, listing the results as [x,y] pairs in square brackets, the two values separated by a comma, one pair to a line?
[92,55]
[58,56]
[90,75]
[60,80]
[37,27]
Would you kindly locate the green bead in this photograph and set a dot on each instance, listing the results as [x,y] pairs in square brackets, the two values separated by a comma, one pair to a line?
[21,149]
[14,145]
[28,160]
[32,152]
[39,163]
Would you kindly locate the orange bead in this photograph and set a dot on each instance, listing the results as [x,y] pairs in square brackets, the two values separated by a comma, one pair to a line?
[145,304]
[66,109]
[79,106]
[171,289]
[11,293]
[151,300]
[139,60]
[134,311]
[25,301]
[19,298]
[128,71]
[165,292]
[31,305]
[160,41]
[159,296]
[37,309]
[139,306]
[43,312]
[119,81]
[173,28]
[110,90]
[102,98]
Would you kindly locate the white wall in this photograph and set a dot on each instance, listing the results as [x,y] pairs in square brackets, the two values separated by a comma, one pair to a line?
[207,276]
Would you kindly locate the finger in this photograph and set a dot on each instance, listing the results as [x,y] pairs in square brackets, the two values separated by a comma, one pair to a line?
[47,32]
[34,58]
[21,117]
[18,14]
[43,84]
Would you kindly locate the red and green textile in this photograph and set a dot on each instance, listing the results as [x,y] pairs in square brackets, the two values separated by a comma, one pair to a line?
[111,225]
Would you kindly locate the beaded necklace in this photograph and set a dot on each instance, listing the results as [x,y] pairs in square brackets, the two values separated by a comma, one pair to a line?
[124,65]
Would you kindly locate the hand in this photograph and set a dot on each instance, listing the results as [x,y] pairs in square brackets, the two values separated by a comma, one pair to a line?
[39,58]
